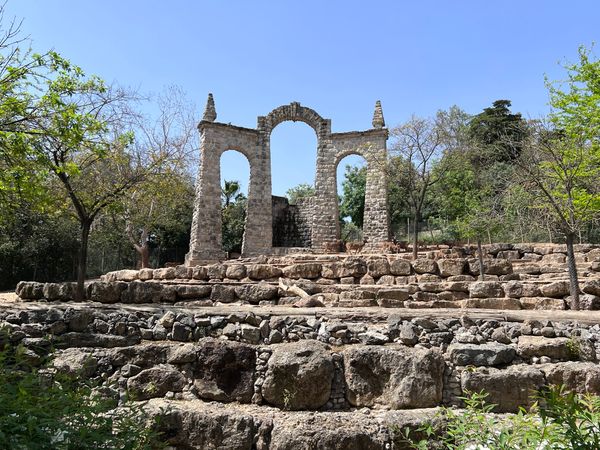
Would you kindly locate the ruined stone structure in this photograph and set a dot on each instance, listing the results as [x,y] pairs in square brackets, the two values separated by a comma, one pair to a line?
[216,138]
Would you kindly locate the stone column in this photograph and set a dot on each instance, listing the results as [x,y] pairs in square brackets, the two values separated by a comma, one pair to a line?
[326,223]
[258,231]
[205,242]
[376,224]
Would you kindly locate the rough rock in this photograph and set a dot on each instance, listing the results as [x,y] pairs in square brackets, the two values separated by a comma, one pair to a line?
[193,291]
[147,292]
[557,289]
[30,290]
[492,354]
[508,389]
[581,377]
[222,293]
[518,289]
[76,361]
[378,267]
[263,271]
[235,271]
[486,289]
[304,270]
[155,382]
[105,292]
[424,266]
[400,267]
[393,376]
[299,376]
[451,267]
[165,273]
[555,348]
[254,293]
[225,370]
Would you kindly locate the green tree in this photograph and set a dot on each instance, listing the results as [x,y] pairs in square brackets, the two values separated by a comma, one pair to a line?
[562,161]
[303,190]
[352,202]
[499,133]
[422,144]
[233,216]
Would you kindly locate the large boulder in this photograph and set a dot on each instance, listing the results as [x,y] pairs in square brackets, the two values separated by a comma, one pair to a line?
[591,287]
[207,428]
[235,271]
[400,267]
[59,291]
[556,289]
[147,292]
[193,291]
[581,377]
[353,266]
[424,266]
[378,267]
[393,376]
[263,271]
[491,266]
[30,290]
[518,289]
[486,289]
[299,376]
[303,270]
[76,362]
[508,389]
[122,275]
[492,354]
[254,293]
[555,348]
[222,293]
[155,382]
[105,292]
[225,371]
[451,267]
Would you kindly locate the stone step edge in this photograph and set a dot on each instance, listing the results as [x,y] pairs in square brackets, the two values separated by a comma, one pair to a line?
[199,424]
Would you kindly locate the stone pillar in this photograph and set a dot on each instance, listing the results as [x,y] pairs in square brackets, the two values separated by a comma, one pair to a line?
[376,224]
[326,222]
[206,242]
[258,231]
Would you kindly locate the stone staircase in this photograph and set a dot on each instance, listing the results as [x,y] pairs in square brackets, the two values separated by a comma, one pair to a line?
[362,347]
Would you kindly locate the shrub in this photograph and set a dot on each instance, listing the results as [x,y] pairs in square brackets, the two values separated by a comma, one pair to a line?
[558,420]
[40,409]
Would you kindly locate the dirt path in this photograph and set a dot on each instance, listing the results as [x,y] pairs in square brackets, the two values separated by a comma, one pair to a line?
[370,314]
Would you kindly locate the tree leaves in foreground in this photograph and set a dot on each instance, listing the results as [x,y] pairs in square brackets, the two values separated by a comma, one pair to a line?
[42,410]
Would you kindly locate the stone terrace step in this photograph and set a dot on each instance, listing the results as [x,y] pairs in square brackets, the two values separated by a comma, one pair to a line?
[199,425]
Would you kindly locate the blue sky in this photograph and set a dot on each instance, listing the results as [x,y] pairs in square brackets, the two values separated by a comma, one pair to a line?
[336,57]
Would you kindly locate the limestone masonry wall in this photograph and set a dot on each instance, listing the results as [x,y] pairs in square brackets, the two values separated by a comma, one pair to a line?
[323,219]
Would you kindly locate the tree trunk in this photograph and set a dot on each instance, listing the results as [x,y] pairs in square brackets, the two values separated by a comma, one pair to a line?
[415,253]
[144,251]
[573,279]
[480,257]
[82,261]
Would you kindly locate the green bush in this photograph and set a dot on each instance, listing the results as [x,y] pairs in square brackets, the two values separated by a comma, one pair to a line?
[558,420]
[40,409]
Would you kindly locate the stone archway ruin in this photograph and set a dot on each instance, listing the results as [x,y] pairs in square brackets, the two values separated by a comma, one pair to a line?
[320,213]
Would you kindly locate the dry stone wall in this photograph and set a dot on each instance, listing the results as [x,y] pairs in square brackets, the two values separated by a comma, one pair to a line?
[306,362]
[205,242]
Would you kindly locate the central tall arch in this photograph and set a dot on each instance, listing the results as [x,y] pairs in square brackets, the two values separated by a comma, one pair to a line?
[205,242]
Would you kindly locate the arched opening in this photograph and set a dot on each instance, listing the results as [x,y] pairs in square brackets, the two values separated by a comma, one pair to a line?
[293,149]
[235,178]
[351,181]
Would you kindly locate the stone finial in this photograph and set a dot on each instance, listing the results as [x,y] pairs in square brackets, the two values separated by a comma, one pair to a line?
[210,113]
[378,121]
